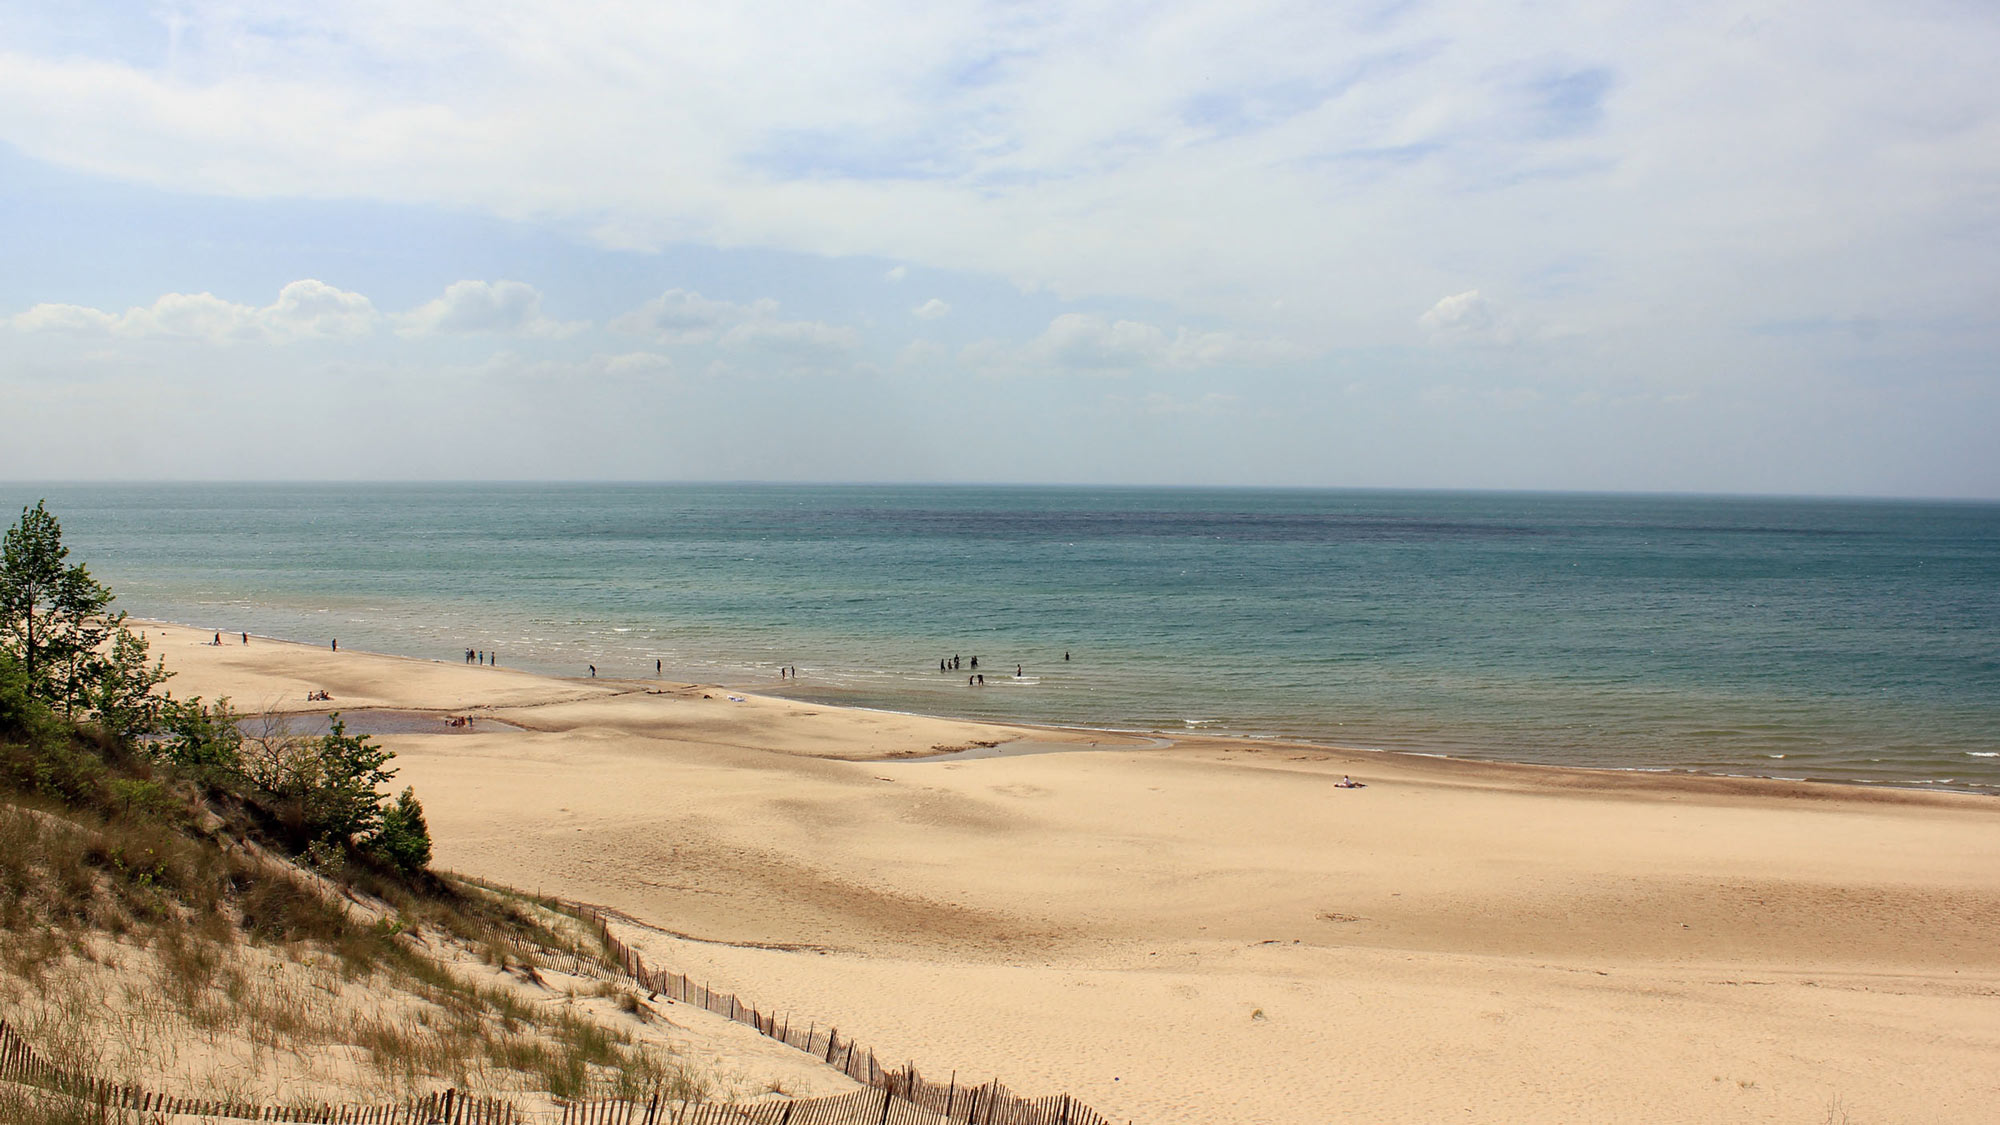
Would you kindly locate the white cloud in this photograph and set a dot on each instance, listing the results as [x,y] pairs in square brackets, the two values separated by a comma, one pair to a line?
[305,309]
[499,307]
[314,308]
[931,309]
[1677,161]
[1466,315]
[1472,318]
[685,317]
[78,319]
[896,273]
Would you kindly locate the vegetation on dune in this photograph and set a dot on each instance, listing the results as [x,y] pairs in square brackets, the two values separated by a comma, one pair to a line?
[70,670]
[256,888]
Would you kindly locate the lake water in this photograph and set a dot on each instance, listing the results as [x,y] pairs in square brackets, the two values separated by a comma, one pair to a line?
[1853,640]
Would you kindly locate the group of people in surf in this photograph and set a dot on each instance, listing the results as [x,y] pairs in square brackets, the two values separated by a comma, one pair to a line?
[976,679]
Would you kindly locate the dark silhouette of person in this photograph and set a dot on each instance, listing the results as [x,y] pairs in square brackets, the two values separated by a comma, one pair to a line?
[593,670]
[656,667]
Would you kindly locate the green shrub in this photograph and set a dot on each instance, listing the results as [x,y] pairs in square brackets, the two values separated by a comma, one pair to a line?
[403,840]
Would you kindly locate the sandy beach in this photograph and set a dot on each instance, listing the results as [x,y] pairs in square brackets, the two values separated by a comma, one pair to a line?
[1209,930]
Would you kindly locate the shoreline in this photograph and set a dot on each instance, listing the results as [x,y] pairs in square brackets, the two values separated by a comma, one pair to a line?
[1212,930]
[1696,777]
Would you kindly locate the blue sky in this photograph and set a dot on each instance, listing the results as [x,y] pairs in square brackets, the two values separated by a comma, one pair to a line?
[1726,247]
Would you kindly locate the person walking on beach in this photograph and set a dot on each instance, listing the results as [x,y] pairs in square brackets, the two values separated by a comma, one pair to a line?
[593,671]
[246,638]
[656,667]
[336,644]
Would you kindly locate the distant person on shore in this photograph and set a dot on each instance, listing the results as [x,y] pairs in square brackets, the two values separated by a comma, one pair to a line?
[1065,656]
[656,667]
[246,638]
[1346,782]
[1017,671]
[336,644]
[975,664]
[982,679]
[218,640]
[593,671]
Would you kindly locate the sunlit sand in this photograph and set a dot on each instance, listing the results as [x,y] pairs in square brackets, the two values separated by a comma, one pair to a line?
[1211,931]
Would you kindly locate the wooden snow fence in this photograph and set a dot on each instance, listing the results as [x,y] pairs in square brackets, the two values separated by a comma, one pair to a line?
[19,1063]
[932,1102]
[895,1097]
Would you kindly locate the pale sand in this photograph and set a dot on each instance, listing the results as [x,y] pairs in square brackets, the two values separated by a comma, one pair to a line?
[1212,932]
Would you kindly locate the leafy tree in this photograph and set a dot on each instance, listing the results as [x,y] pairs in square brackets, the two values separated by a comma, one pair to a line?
[57,621]
[325,789]
[204,741]
[121,684]
[404,840]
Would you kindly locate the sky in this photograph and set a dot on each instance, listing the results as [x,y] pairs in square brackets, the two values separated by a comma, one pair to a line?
[1737,248]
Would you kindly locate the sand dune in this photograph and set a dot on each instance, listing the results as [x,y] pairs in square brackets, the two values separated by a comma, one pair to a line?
[1211,931]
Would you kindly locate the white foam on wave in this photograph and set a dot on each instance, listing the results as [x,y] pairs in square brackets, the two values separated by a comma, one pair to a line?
[1982,753]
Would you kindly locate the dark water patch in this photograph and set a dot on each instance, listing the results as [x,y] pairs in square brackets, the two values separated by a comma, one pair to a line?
[372,723]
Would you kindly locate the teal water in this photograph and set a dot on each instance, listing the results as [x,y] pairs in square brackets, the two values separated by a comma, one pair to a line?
[1852,640]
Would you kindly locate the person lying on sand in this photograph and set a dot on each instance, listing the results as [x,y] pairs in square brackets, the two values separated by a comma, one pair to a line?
[1347,782]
